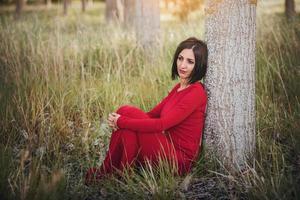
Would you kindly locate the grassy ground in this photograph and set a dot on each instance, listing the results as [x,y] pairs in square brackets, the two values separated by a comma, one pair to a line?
[61,76]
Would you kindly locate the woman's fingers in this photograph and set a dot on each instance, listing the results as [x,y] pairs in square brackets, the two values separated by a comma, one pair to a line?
[112,126]
[112,120]
[113,117]
[115,128]
[110,123]
[110,117]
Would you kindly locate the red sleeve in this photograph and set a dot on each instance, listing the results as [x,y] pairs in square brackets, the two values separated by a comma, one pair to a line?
[177,114]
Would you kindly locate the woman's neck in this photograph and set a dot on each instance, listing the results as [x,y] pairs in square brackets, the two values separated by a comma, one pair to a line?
[184,83]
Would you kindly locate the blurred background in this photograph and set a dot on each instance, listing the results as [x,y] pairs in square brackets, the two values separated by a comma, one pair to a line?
[64,65]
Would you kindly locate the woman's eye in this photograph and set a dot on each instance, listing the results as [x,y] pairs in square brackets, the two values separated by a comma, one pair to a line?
[180,58]
[191,62]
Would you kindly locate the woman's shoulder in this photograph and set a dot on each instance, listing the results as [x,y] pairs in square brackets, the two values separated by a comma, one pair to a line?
[199,89]
[198,86]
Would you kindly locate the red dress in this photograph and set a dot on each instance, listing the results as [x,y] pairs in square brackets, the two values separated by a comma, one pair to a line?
[172,129]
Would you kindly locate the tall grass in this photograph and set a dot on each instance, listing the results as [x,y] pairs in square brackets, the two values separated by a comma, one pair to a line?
[60,77]
[277,94]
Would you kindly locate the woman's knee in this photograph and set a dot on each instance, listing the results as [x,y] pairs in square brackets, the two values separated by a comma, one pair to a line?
[131,111]
[123,110]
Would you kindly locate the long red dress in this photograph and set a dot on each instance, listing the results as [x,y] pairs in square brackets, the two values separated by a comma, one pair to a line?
[172,129]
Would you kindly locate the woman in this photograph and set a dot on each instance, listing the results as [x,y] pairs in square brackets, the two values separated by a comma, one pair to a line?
[172,129]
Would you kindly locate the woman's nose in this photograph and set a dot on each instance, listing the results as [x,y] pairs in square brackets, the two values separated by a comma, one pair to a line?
[182,64]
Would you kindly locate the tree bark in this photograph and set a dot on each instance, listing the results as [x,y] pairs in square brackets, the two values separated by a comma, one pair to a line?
[48,3]
[66,5]
[129,13]
[290,11]
[19,7]
[114,10]
[230,81]
[147,23]
[120,9]
[143,16]
[83,5]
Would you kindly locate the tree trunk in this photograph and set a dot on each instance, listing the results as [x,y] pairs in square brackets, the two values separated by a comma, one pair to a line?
[143,16]
[66,5]
[19,8]
[230,81]
[129,13]
[48,3]
[290,9]
[120,9]
[114,10]
[83,4]
[147,23]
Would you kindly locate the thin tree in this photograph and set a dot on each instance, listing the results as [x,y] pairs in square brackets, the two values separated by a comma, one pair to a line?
[114,10]
[48,3]
[290,11]
[83,5]
[147,23]
[230,81]
[129,13]
[143,16]
[19,8]
[120,9]
[65,6]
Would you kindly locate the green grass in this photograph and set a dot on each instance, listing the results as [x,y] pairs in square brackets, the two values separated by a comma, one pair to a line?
[61,76]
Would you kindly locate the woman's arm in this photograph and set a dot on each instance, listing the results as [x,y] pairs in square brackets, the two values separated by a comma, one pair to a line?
[177,114]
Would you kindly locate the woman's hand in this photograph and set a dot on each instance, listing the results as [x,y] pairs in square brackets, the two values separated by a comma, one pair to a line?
[112,120]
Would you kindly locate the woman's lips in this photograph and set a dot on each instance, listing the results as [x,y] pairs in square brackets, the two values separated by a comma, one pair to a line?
[181,71]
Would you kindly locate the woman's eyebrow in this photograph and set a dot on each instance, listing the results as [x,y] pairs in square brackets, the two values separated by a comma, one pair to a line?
[191,59]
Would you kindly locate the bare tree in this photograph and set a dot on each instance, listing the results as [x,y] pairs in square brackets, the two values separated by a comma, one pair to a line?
[19,8]
[48,3]
[230,80]
[129,13]
[66,5]
[120,9]
[147,22]
[114,10]
[290,11]
[144,17]
[83,5]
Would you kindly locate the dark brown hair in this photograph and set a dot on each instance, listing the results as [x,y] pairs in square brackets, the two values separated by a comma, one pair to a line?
[200,52]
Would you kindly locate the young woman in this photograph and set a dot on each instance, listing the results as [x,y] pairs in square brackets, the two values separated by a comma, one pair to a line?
[172,129]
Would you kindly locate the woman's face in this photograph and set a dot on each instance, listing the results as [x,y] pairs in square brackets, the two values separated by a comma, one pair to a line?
[185,63]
